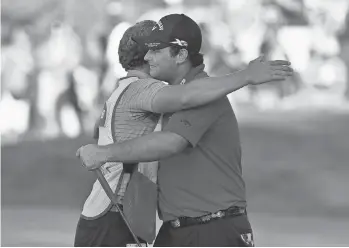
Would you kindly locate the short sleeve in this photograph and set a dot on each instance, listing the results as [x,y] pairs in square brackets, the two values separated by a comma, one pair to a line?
[193,123]
[142,93]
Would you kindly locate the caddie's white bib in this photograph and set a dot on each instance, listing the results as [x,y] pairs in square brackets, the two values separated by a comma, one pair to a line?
[98,203]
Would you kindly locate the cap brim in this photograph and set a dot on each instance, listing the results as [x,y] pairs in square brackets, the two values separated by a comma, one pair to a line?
[150,42]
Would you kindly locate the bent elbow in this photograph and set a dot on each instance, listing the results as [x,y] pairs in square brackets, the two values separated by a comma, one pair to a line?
[179,146]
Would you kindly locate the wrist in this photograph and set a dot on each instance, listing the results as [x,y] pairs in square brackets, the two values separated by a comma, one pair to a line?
[246,77]
[103,154]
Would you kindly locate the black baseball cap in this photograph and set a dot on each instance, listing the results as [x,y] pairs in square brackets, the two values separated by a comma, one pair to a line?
[173,30]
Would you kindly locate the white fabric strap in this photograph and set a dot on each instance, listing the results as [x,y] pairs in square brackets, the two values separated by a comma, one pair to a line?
[98,202]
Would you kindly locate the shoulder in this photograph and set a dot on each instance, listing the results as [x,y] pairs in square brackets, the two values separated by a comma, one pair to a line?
[144,83]
[144,87]
[141,92]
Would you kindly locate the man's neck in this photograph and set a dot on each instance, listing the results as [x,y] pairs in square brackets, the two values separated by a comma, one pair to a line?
[189,74]
[180,74]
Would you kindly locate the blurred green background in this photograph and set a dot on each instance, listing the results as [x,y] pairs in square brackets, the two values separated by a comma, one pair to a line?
[60,62]
[295,167]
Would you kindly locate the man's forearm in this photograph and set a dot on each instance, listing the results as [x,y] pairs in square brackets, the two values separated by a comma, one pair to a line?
[197,93]
[152,147]
[202,91]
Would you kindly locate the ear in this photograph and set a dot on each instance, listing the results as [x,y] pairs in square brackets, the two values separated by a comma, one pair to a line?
[182,56]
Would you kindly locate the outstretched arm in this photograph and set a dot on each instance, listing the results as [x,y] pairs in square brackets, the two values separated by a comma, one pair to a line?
[202,91]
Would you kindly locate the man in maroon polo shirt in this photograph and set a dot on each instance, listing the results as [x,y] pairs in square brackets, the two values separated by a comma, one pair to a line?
[201,190]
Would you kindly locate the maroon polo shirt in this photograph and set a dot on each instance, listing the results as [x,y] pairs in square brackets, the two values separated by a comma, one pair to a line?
[207,175]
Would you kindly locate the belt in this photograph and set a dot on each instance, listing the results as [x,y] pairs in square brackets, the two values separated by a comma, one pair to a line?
[189,221]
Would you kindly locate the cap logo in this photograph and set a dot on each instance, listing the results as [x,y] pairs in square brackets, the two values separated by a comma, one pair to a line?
[180,43]
[159,24]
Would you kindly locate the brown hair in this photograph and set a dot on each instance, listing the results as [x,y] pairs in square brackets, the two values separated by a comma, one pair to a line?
[131,54]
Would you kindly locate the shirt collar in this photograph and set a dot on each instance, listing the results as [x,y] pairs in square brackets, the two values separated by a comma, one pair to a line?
[136,73]
[193,73]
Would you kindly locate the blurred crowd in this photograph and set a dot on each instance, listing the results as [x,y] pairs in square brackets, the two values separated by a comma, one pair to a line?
[59,58]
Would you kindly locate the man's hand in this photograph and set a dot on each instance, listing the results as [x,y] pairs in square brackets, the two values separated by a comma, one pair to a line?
[91,156]
[260,71]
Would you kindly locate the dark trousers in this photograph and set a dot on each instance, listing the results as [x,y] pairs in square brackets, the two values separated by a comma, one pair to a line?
[108,230]
[230,231]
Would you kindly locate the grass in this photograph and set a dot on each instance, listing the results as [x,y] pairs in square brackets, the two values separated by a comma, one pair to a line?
[295,165]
